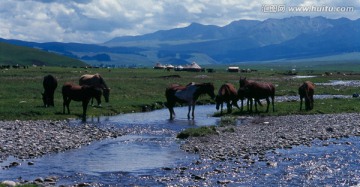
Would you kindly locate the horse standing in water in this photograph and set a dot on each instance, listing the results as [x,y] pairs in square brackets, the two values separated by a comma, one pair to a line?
[50,84]
[97,81]
[306,90]
[258,91]
[71,91]
[227,93]
[187,94]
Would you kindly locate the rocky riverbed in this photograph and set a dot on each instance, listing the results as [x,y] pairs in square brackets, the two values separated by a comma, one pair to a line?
[224,157]
[31,139]
[258,135]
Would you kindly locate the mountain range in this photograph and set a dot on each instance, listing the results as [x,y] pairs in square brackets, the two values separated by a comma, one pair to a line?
[240,41]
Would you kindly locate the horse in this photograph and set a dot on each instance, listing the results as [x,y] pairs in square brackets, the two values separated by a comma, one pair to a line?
[243,94]
[50,84]
[97,81]
[306,90]
[257,91]
[227,93]
[189,94]
[71,91]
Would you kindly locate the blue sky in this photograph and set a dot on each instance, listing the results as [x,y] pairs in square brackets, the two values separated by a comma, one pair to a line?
[97,21]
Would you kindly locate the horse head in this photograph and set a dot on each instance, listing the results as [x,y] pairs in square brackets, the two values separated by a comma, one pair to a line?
[243,82]
[218,101]
[209,89]
[106,92]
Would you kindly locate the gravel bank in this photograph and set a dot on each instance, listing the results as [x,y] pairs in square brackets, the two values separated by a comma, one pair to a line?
[30,139]
[260,134]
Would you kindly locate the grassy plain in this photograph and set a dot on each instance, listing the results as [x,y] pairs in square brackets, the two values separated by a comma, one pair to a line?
[132,89]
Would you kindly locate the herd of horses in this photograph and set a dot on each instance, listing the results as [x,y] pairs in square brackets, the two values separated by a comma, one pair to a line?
[250,90]
[89,87]
[94,86]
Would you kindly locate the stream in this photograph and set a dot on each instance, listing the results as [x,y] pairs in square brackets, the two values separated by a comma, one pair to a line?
[149,151]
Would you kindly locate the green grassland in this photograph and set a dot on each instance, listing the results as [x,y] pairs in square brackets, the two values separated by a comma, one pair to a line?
[131,89]
[12,55]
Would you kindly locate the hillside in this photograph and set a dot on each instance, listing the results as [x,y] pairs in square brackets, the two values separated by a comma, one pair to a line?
[12,55]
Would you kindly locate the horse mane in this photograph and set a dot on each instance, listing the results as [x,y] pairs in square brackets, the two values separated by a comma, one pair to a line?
[200,92]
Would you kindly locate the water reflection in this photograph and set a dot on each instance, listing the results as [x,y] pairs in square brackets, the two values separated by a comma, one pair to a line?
[150,144]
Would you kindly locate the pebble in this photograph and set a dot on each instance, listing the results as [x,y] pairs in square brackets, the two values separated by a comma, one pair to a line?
[31,139]
[257,135]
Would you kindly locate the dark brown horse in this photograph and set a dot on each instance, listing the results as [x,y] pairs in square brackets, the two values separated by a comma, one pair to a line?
[227,93]
[97,81]
[306,90]
[257,91]
[50,84]
[71,91]
[188,94]
[243,93]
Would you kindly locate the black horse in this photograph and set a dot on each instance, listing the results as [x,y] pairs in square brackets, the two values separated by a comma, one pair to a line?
[50,84]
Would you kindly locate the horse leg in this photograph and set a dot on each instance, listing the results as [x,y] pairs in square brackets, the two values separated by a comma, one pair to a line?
[307,103]
[229,107]
[234,102]
[268,104]
[64,103]
[193,111]
[189,111]
[84,105]
[242,105]
[301,102]
[250,102]
[311,102]
[170,106]
[171,112]
[68,105]
[256,110]
[52,98]
[221,109]
[272,102]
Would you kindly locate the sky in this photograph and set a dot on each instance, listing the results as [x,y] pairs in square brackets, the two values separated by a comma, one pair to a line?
[97,21]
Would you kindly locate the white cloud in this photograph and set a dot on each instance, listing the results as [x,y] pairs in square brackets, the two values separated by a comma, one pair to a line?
[96,21]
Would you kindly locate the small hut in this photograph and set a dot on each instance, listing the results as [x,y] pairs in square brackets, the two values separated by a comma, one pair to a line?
[169,67]
[159,66]
[193,67]
[233,69]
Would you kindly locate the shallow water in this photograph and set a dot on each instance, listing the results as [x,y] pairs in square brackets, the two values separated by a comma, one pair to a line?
[350,83]
[149,155]
[150,144]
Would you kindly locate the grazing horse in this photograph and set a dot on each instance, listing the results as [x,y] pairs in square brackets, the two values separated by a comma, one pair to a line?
[97,81]
[50,84]
[306,90]
[187,94]
[227,93]
[257,91]
[71,91]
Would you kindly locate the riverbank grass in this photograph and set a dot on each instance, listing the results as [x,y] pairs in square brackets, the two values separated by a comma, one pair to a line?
[137,90]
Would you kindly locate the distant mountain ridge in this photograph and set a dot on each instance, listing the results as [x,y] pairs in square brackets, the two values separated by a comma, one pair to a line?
[242,40]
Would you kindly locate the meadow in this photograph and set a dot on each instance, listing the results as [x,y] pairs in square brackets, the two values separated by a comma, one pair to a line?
[135,90]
